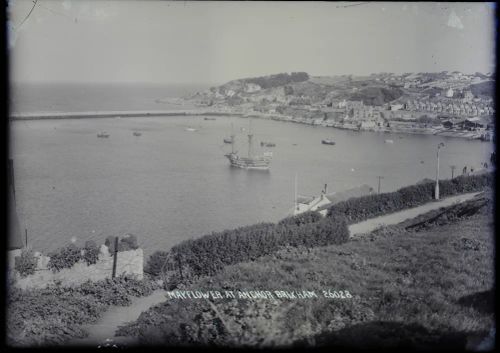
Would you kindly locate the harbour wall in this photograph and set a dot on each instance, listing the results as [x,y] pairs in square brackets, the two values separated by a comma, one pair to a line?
[128,263]
[140,114]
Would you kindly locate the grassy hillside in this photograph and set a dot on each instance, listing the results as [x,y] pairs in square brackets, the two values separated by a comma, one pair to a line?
[483,89]
[423,287]
[377,95]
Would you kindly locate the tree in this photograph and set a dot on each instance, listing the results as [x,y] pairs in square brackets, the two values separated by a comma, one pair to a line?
[424,119]
[453,167]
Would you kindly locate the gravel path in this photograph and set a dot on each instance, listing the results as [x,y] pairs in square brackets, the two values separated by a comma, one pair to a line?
[103,332]
[398,217]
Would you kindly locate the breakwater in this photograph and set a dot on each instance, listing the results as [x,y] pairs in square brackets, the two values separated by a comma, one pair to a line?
[117,114]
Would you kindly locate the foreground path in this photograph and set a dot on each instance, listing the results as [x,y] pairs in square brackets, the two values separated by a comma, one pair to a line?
[103,331]
[398,217]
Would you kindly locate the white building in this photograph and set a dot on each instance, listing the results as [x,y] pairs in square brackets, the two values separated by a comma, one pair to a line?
[252,87]
[396,106]
[322,202]
[449,93]
[368,124]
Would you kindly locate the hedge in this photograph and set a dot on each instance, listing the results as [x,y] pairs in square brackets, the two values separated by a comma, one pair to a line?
[65,257]
[210,253]
[303,218]
[361,208]
[26,263]
[91,252]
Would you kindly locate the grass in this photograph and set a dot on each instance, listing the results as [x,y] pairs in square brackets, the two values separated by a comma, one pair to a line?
[426,288]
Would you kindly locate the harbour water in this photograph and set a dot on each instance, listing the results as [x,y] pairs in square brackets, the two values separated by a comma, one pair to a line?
[173,182]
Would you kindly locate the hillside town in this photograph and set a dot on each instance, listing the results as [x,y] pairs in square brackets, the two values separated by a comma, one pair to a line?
[445,103]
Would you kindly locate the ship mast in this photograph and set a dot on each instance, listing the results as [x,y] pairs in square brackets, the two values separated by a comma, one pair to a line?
[232,138]
[296,204]
[250,136]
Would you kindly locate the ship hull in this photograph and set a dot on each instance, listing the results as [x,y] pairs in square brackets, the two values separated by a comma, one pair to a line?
[259,163]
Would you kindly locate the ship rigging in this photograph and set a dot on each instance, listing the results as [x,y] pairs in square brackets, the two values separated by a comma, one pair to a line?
[252,161]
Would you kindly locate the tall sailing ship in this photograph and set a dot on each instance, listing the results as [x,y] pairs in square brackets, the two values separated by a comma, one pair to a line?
[252,161]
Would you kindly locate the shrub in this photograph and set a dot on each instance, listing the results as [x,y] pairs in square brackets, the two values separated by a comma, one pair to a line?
[303,218]
[128,242]
[280,79]
[116,291]
[91,252]
[110,243]
[156,263]
[53,315]
[26,263]
[64,258]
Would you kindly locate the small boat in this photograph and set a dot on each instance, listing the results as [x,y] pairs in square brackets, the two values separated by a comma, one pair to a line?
[103,134]
[228,140]
[328,142]
[208,118]
[389,141]
[136,133]
[190,129]
[267,144]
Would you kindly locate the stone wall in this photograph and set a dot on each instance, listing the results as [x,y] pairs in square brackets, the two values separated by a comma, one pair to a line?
[128,263]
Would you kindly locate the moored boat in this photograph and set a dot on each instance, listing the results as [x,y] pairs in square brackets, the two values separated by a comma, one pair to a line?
[389,141]
[136,133]
[267,144]
[328,142]
[103,134]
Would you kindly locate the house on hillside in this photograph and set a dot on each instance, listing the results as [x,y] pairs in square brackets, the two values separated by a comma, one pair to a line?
[368,124]
[476,123]
[396,106]
[324,201]
[468,96]
[252,87]
[453,123]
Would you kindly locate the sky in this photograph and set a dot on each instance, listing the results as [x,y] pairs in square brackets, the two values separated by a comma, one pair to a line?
[164,42]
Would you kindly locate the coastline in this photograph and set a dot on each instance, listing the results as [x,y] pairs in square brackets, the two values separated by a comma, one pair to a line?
[469,135]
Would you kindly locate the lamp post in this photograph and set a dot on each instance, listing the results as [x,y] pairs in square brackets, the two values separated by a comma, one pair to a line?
[437,171]
[379,177]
